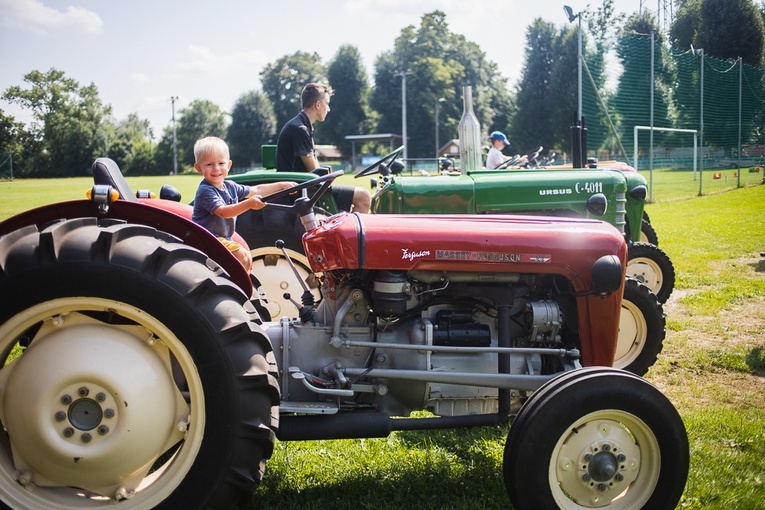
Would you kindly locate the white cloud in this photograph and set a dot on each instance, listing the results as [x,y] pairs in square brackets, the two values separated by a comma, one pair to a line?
[140,78]
[205,61]
[34,16]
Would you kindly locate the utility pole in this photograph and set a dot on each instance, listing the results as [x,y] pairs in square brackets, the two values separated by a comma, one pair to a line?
[173,99]
[440,100]
[403,75]
[571,17]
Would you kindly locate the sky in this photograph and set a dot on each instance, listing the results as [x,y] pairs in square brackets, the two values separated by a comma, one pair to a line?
[140,53]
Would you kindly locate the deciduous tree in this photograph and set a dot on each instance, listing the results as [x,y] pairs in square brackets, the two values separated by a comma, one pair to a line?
[283,81]
[726,29]
[253,124]
[201,118]
[68,119]
[438,64]
[535,100]
[350,105]
[129,143]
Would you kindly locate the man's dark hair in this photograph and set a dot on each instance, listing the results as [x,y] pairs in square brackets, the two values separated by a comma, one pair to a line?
[314,92]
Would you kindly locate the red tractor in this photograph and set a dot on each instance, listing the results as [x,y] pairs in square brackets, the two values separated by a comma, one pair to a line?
[138,371]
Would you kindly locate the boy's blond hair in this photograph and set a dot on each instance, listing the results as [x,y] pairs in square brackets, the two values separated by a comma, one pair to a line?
[210,145]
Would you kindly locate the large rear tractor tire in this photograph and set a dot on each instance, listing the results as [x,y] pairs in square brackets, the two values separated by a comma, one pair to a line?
[641,329]
[649,264]
[596,438]
[133,373]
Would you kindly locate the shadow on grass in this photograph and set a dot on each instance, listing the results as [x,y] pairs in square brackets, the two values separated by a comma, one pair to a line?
[412,490]
[470,479]
[755,359]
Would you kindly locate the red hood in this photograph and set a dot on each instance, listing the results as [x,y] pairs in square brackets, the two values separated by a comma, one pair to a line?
[472,243]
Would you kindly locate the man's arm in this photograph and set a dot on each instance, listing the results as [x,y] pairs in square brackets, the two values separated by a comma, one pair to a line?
[310,163]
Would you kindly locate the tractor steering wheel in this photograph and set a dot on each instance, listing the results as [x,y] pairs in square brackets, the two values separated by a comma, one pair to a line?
[302,205]
[509,162]
[371,169]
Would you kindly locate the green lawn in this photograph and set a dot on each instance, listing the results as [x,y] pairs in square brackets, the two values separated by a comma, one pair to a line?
[673,184]
[21,194]
[712,368]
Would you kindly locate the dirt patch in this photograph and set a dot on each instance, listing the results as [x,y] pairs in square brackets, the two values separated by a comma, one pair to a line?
[689,370]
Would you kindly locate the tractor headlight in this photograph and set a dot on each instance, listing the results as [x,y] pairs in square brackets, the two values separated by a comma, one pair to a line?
[597,204]
[639,192]
[607,275]
[168,192]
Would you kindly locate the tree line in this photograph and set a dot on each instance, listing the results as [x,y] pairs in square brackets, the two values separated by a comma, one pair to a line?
[71,126]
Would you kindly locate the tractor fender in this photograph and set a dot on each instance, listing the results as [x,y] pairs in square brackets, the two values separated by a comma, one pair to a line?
[164,215]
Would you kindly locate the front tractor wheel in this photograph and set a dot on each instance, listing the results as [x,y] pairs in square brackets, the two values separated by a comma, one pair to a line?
[132,373]
[648,233]
[650,265]
[596,438]
[642,328]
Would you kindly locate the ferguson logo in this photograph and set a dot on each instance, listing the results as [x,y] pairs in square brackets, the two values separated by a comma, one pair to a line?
[411,255]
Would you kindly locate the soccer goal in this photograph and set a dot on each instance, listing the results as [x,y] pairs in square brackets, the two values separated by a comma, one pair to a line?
[671,151]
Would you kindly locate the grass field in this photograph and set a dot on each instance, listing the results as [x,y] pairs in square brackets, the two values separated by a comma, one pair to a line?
[667,184]
[712,368]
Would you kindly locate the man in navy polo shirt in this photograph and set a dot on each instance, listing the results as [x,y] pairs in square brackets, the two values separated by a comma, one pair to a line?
[295,150]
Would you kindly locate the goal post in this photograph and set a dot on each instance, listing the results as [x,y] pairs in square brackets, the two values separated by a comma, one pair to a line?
[694,157]
[6,166]
[694,132]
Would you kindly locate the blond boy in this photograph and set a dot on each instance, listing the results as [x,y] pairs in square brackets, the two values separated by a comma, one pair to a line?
[218,202]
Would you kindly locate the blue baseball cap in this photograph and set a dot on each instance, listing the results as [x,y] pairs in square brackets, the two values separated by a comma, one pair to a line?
[499,135]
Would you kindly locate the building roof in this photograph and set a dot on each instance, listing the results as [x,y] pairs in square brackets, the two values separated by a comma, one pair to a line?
[373,138]
[327,151]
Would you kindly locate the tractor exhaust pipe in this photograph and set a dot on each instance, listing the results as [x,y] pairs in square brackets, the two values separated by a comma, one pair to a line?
[470,134]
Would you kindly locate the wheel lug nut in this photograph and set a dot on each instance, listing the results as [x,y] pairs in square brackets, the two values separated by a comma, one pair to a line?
[586,477]
[606,447]
[621,457]
[24,479]
[83,391]
[100,396]
[68,432]
[66,400]
[60,416]
[619,477]
[103,429]
[86,437]
[109,413]
[602,487]
[588,457]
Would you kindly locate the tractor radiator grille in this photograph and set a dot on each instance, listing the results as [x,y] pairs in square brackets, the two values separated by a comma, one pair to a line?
[621,210]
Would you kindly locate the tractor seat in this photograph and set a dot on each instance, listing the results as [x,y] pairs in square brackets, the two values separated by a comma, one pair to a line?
[106,171]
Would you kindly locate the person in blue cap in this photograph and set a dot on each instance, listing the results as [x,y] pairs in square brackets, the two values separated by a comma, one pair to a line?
[498,142]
